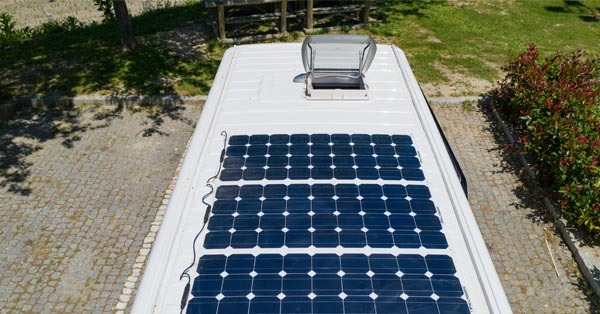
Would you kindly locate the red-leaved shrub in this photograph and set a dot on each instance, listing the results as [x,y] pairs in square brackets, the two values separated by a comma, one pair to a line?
[553,106]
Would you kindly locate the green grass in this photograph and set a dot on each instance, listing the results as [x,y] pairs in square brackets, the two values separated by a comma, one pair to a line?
[89,60]
[473,39]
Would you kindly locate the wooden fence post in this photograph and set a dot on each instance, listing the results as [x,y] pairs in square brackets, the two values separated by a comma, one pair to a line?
[221,21]
[366,11]
[309,14]
[283,23]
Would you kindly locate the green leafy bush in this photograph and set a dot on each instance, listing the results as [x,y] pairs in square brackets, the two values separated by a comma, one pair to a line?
[9,33]
[553,105]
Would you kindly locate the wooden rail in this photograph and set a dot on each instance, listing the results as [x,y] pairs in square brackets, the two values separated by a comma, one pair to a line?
[227,15]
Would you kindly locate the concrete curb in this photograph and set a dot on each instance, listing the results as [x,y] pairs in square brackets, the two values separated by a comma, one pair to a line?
[588,264]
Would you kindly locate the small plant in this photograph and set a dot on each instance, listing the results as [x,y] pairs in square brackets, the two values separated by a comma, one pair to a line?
[554,107]
[106,8]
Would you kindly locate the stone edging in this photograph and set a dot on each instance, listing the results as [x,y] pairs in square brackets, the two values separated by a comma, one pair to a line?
[586,261]
[137,270]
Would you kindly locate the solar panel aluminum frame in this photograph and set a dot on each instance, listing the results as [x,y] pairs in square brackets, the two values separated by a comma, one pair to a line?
[241,97]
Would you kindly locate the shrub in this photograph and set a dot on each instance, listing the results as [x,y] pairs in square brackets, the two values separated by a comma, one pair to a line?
[9,33]
[554,107]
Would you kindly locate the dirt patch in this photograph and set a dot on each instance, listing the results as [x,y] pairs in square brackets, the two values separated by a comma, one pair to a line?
[190,42]
[456,84]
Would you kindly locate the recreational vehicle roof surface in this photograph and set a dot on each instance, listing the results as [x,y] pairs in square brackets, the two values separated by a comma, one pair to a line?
[327,198]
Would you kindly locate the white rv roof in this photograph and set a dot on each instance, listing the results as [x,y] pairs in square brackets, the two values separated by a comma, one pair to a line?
[256,103]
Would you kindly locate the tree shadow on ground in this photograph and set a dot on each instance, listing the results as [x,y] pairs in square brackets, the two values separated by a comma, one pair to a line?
[26,133]
[585,13]
[387,8]
[88,59]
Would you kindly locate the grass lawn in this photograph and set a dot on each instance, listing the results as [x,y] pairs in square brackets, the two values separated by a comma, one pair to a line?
[461,43]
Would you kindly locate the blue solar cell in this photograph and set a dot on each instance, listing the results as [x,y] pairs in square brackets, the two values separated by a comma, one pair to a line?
[441,264]
[363,150]
[239,140]
[383,150]
[433,240]
[321,161]
[343,161]
[254,174]
[361,138]
[320,138]
[381,139]
[352,239]
[413,174]
[365,161]
[367,173]
[276,150]
[340,138]
[297,238]
[234,162]
[276,174]
[370,190]
[344,173]
[325,239]
[257,151]
[236,151]
[342,149]
[299,150]
[217,240]
[282,139]
[320,149]
[220,222]
[391,305]
[198,306]
[321,173]
[299,138]
[346,190]
[387,162]
[409,162]
[402,139]
[395,191]
[390,174]
[423,207]
[259,139]
[271,239]
[421,305]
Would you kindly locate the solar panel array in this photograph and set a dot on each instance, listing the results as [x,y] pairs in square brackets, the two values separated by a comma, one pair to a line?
[327,283]
[321,156]
[329,221]
[324,216]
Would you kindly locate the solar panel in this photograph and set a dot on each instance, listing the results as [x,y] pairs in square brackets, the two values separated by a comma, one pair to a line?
[321,156]
[327,283]
[338,221]
[324,216]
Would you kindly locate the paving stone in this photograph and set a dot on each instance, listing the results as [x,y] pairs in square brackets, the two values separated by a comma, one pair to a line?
[511,226]
[71,230]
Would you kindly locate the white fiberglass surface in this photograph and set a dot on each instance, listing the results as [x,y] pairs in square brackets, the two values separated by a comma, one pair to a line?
[255,95]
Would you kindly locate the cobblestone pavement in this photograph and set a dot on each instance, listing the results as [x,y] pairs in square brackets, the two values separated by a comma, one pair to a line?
[511,225]
[78,193]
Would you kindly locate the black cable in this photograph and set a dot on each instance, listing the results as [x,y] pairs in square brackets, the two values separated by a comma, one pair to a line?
[185,273]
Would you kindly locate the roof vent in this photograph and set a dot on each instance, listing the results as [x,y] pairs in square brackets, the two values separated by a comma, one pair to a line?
[335,66]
